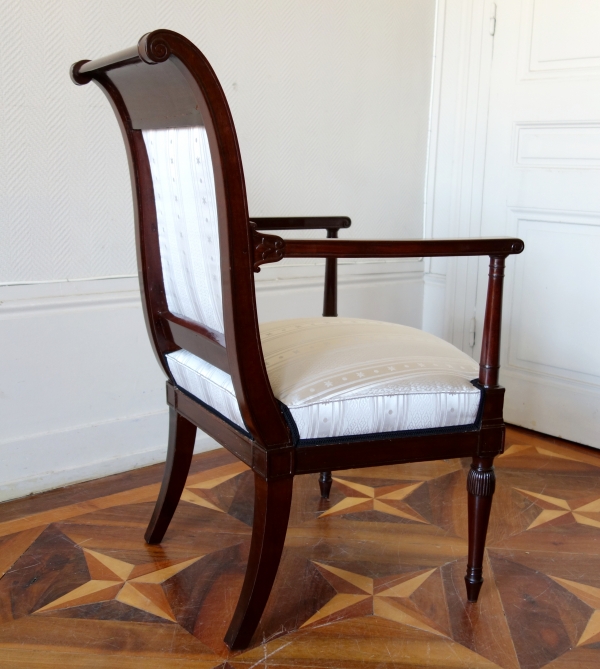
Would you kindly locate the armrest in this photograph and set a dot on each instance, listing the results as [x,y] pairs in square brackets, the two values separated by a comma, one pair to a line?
[271,248]
[302,223]
[408,248]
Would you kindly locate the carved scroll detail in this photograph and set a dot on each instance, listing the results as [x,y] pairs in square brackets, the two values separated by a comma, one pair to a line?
[153,48]
[267,248]
[76,77]
[481,482]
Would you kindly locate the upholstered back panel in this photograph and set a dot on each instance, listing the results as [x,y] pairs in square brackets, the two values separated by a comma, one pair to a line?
[186,210]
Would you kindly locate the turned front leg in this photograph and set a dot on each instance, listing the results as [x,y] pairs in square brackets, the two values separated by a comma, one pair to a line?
[481,483]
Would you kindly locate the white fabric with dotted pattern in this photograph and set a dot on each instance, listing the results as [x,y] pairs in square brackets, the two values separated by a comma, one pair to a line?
[348,376]
[186,210]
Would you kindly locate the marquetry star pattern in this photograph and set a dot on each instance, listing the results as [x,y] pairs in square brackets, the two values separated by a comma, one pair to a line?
[584,513]
[358,595]
[138,586]
[385,499]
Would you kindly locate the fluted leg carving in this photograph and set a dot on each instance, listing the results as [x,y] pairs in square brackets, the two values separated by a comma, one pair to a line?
[481,484]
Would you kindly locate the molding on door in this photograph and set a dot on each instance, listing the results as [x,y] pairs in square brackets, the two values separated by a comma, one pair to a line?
[534,60]
[561,363]
[557,145]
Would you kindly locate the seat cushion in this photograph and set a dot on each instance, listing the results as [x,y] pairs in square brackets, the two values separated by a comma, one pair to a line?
[347,376]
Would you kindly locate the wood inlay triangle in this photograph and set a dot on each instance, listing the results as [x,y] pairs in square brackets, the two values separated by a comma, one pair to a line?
[138,598]
[213,483]
[13,547]
[591,634]
[565,454]
[590,507]
[406,588]
[162,575]
[188,496]
[355,503]
[401,493]
[118,568]
[587,593]
[367,491]
[393,610]
[364,583]
[545,517]
[338,603]
[225,472]
[92,591]
[98,570]
[584,520]
[555,501]
[407,513]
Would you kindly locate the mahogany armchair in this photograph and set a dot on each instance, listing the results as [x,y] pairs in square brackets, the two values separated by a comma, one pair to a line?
[290,397]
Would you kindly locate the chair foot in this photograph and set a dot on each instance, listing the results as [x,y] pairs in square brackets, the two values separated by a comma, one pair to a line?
[272,501]
[182,435]
[481,484]
[325,484]
[473,581]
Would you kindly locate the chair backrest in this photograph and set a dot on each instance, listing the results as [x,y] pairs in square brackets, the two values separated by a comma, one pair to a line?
[188,229]
[194,241]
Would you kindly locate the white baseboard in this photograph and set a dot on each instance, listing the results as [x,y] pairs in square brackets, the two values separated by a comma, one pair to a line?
[536,402]
[31,465]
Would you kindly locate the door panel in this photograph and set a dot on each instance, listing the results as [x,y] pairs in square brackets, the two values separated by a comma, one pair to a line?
[550,332]
[563,34]
[542,183]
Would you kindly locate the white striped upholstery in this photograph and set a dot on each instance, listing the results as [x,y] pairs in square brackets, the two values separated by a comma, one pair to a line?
[344,377]
[206,382]
[184,190]
[348,376]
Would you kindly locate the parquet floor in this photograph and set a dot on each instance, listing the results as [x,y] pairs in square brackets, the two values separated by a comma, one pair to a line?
[372,578]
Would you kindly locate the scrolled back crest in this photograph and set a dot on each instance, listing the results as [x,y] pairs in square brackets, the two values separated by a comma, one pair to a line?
[153,48]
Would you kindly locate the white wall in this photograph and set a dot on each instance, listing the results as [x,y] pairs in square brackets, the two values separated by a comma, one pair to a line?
[331,102]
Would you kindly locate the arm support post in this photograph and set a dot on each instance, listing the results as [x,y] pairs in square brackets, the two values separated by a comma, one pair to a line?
[330,294]
[489,364]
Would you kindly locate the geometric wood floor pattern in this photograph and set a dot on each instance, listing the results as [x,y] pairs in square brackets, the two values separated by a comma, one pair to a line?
[371,578]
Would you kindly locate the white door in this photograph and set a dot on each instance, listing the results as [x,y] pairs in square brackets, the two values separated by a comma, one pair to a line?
[542,183]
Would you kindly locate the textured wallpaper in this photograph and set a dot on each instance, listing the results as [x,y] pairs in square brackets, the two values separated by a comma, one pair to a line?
[330,100]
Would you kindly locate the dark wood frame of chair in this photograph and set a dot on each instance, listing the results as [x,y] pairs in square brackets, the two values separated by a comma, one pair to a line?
[139,83]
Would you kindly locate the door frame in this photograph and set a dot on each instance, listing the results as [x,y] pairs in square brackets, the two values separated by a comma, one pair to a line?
[462,63]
